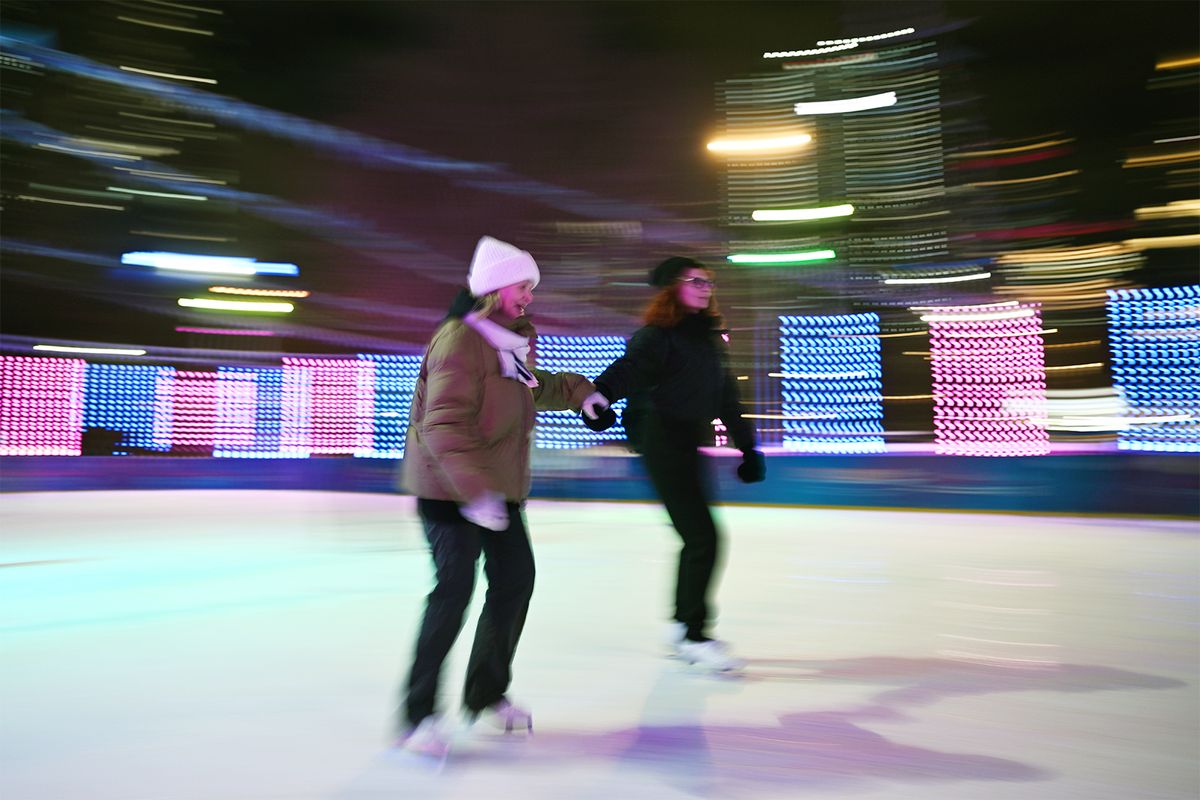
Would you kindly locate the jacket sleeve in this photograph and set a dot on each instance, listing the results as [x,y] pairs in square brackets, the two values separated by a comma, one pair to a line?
[644,360]
[453,400]
[558,391]
[740,429]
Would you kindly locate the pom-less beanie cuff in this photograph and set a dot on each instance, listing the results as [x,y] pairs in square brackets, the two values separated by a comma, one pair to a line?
[497,264]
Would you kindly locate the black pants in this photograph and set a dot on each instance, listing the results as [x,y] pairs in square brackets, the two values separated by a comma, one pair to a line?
[455,545]
[677,470]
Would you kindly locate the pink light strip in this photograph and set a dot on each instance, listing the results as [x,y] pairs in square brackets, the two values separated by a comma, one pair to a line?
[41,406]
[224,331]
[989,384]
[329,406]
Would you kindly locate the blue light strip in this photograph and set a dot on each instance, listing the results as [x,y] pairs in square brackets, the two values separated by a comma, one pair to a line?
[583,355]
[249,413]
[1154,337]
[395,381]
[122,398]
[832,381]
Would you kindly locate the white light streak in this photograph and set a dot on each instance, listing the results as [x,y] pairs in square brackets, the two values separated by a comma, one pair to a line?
[860,39]
[814,52]
[108,351]
[801,214]
[167,195]
[848,105]
[37,199]
[236,305]
[950,279]
[149,24]
[170,75]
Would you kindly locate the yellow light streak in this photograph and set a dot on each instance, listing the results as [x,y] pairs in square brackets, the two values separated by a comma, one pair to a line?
[1178,63]
[1034,179]
[1009,150]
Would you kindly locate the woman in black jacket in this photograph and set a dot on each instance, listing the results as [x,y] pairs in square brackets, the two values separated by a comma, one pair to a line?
[675,375]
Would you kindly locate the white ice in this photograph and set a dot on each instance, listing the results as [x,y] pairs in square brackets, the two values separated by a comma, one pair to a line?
[222,645]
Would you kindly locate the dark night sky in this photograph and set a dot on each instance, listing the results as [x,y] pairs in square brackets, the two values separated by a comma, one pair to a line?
[618,99]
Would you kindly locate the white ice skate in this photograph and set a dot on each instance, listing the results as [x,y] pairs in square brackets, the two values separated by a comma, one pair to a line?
[712,655]
[674,637]
[430,739]
[503,714]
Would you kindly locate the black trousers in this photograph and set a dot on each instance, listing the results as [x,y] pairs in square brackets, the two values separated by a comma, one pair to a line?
[671,456]
[455,545]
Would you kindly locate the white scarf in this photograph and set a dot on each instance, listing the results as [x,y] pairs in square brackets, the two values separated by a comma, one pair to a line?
[512,348]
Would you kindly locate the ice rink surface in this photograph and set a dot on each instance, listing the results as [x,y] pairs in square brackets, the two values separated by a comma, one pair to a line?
[224,645]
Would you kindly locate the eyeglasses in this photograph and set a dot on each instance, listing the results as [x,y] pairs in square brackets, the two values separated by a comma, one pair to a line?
[699,283]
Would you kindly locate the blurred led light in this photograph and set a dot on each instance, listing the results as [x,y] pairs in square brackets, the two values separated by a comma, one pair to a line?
[1034,179]
[223,331]
[860,39]
[188,122]
[1163,158]
[188,237]
[830,384]
[259,292]
[989,381]
[1176,208]
[1176,139]
[93,153]
[979,316]
[395,381]
[1011,150]
[1154,339]
[164,26]
[190,263]
[782,258]
[328,406]
[112,351]
[168,195]
[272,268]
[848,105]
[1178,63]
[758,144]
[41,406]
[221,265]
[1161,242]
[236,305]
[583,355]
[37,199]
[137,149]
[813,52]
[171,75]
[948,279]
[172,176]
[799,214]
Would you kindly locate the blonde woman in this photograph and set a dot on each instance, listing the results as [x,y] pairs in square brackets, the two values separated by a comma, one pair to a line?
[467,462]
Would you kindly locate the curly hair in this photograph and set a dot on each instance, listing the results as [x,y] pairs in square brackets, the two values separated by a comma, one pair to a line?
[665,310]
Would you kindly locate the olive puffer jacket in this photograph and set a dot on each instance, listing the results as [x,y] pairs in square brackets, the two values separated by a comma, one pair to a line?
[470,427]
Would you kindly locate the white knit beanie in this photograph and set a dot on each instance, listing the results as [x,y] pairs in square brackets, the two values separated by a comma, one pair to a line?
[497,264]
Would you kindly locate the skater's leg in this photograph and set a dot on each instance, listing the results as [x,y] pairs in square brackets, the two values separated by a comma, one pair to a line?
[508,564]
[677,473]
[455,550]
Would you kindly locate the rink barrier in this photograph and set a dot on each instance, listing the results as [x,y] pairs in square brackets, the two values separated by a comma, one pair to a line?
[1113,483]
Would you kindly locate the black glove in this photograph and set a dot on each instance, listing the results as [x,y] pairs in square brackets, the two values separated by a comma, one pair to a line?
[753,467]
[605,419]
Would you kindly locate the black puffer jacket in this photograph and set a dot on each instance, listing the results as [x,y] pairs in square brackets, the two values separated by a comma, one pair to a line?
[681,375]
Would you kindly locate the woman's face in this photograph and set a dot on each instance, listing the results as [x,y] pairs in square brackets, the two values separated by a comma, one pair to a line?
[694,288]
[511,300]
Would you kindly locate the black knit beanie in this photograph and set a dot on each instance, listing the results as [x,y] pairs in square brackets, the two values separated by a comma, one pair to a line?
[666,272]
